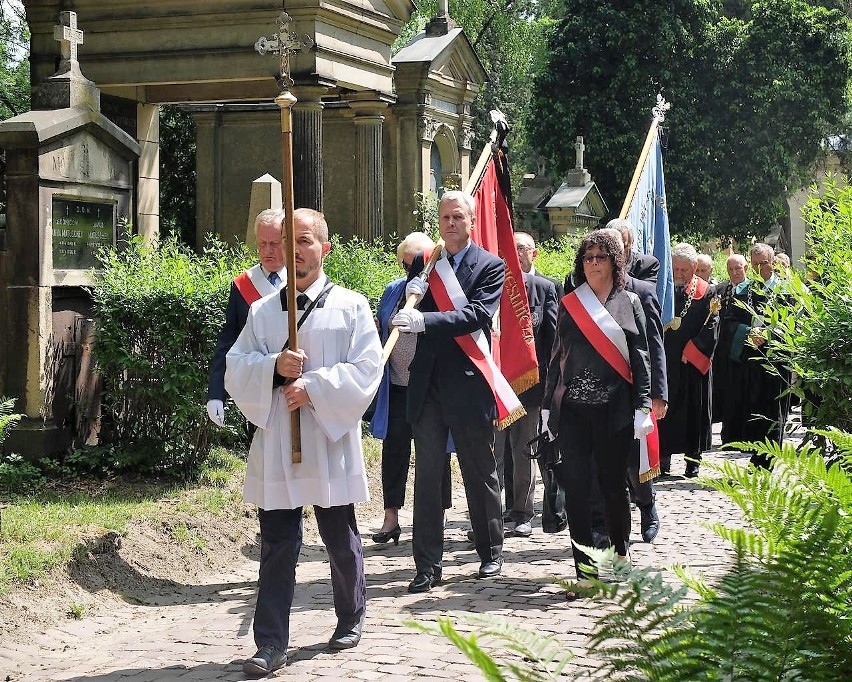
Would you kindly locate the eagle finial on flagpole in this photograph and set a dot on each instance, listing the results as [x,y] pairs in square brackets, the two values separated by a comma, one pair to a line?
[660,108]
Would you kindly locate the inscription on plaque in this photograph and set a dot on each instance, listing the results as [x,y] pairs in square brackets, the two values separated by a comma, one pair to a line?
[80,228]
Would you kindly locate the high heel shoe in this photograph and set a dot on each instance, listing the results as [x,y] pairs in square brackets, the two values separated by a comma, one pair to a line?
[384,536]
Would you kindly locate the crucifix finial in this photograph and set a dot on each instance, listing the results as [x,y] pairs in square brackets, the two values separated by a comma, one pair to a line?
[68,36]
[284,43]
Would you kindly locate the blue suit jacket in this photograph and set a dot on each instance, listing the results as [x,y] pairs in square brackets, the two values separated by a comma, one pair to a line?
[236,315]
[387,305]
[465,395]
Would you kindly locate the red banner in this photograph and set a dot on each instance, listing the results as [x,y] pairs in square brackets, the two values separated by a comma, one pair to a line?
[515,350]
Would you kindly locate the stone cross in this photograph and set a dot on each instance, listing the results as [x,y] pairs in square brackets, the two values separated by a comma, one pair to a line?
[580,147]
[284,43]
[68,36]
[443,8]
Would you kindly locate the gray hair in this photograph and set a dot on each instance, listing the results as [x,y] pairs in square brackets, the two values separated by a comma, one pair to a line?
[461,197]
[761,249]
[413,244]
[684,251]
[704,258]
[739,258]
[272,217]
[625,229]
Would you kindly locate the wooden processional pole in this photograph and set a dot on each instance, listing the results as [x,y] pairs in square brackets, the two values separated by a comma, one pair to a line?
[285,43]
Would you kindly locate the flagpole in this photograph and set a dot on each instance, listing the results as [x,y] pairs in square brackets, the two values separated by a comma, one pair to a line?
[659,115]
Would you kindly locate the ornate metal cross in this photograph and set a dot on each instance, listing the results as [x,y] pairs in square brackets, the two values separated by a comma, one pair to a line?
[68,36]
[284,43]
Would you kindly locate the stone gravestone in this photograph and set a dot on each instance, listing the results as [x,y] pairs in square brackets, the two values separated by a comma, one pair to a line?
[70,175]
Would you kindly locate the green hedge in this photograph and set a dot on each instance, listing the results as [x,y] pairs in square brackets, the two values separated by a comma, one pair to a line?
[159,311]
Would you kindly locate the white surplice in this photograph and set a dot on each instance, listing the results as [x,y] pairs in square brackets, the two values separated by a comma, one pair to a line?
[341,374]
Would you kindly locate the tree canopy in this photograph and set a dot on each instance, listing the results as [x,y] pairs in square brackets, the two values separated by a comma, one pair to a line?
[755,89]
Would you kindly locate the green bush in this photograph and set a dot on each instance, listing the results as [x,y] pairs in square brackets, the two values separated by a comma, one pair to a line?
[812,320]
[7,417]
[556,257]
[159,311]
[362,266]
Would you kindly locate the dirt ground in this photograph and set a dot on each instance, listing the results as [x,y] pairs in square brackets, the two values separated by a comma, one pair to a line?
[147,563]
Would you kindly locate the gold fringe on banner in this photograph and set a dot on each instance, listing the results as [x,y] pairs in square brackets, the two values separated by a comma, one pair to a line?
[511,419]
[650,475]
[525,382]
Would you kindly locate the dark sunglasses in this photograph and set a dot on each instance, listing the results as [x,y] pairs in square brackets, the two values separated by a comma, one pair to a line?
[597,258]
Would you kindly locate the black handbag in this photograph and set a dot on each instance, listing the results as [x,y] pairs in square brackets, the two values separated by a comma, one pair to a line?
[554,519]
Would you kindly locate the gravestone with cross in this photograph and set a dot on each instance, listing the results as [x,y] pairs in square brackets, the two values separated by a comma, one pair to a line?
[70,177]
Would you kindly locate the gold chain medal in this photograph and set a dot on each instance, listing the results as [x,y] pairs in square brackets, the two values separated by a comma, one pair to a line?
[676,321]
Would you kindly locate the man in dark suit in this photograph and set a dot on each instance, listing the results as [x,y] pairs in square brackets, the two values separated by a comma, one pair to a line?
[447,391]
[265,278]
[512,448]
[642,266]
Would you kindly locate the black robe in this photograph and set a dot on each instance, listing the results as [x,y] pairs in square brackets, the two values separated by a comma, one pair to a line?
[752,407]
[686,427]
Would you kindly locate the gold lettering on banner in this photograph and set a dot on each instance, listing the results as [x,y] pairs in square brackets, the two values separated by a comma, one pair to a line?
[516,300]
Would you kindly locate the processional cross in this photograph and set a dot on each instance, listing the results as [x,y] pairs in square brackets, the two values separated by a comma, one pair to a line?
[285,43]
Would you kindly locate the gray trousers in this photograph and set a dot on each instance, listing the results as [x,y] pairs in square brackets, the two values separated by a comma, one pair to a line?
[511,449]
[474,441]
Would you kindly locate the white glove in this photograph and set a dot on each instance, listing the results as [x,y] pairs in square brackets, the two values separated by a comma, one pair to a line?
[216,412]
[409,321]
[418,287]
[642,424]
[545,417]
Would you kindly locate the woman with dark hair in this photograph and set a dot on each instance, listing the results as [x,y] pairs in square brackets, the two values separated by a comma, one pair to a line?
[598,393]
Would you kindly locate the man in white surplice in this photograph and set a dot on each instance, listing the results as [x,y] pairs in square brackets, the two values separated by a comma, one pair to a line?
[331,380]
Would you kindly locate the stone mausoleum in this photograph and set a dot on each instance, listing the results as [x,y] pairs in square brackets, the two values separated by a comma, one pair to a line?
[369,129]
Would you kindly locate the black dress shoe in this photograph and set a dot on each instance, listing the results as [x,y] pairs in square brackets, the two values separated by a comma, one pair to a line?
[347,635]
[691,470]
[384,536]
[266,660]
[489,569]
[423,582]
[649,522]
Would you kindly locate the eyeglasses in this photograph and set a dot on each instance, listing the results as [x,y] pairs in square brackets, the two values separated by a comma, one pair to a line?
[522,249]
[406,266]
[597,258]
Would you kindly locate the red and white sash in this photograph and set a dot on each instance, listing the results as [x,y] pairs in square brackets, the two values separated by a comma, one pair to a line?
[608,338]
[253,285]
[448,296]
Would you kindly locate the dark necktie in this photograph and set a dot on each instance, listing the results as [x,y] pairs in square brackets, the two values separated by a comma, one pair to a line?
[302,302]
[451,259]
[273,278]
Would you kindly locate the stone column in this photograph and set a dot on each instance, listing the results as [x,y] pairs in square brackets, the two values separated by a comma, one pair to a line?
[369,179]
[307,147]
[148,189]
[206,137]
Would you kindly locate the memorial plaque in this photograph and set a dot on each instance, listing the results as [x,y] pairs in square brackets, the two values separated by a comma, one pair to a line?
[80,228]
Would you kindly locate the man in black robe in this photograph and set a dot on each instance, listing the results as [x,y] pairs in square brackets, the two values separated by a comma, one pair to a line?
[690,339]
[753,407]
